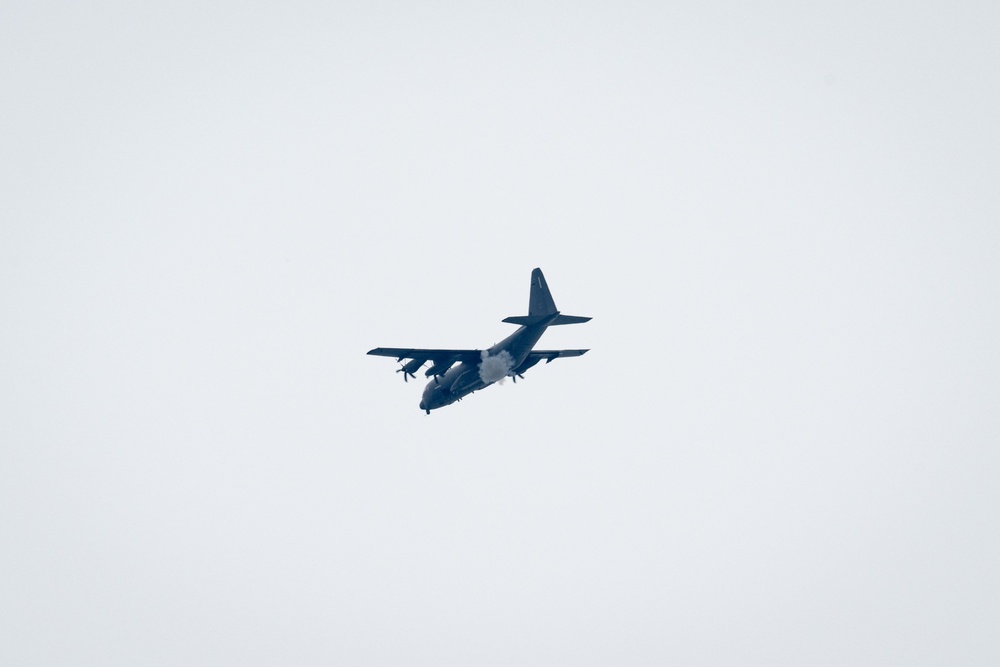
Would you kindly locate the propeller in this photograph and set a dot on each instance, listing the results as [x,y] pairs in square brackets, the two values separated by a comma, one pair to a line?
[410,368]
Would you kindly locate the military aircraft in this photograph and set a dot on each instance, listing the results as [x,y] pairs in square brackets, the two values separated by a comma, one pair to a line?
[458,373]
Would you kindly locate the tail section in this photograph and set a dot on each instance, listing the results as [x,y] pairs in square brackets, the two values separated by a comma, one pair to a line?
[541,306]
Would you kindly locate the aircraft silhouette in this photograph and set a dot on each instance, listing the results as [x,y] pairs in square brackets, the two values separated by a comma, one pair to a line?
[458,373]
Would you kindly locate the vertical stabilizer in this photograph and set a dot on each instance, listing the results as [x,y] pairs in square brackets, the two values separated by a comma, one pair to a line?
[540,301]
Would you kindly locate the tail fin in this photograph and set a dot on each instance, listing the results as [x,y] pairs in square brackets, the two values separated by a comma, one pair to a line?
[541,306]
[540,301]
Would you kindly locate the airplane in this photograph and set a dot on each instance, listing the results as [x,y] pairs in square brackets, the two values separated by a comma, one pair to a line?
[457,373]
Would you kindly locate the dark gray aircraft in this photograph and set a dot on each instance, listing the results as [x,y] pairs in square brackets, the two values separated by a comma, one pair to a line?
[458,373]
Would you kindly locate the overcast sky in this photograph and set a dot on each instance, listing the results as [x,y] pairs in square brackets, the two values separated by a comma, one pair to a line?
[782,449]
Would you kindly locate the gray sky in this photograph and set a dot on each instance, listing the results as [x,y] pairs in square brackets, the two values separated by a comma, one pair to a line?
[782,448]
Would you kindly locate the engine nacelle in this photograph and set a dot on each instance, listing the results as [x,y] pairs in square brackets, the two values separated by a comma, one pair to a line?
[440,367]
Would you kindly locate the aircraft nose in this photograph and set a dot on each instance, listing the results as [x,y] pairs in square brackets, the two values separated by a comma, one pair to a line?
[423,404]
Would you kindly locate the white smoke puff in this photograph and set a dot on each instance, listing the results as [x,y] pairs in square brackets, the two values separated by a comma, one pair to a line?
[495,368]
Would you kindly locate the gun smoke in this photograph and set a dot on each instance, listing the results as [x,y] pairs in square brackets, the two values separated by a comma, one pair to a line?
[495,368]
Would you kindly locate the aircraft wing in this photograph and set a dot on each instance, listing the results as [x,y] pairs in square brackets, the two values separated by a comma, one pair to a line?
[425,354]
[438,355]
[549,355]
[441,360]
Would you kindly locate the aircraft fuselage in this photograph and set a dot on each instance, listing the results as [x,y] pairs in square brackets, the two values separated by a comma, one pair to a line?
[464,378]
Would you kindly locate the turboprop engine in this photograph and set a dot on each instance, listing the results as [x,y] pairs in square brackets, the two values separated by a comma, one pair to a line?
[411,367]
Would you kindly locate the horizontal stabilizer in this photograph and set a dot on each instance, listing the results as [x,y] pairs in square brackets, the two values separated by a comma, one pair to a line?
[528,320]
[523,320]
[569,319]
